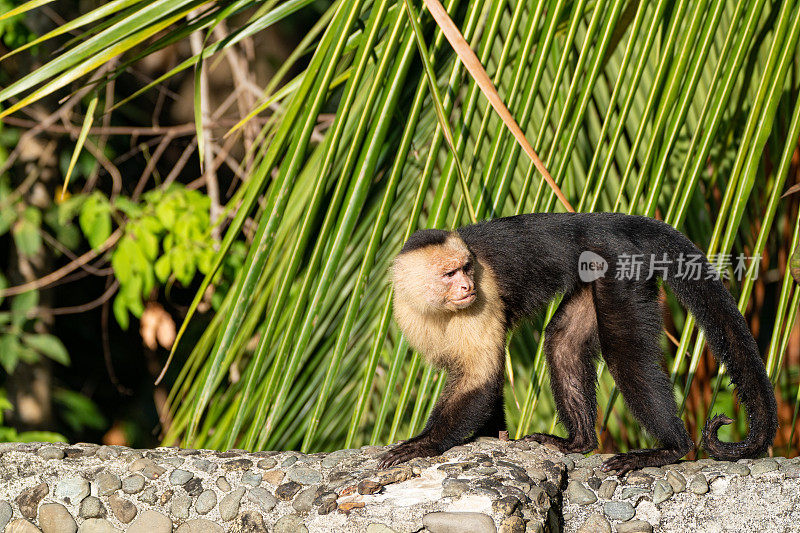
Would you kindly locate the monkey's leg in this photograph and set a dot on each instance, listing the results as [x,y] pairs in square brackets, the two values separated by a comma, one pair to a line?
[497,420]
[629,324]
[571,345]
[465,407]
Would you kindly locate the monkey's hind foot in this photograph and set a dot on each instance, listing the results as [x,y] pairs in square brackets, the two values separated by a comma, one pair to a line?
[627,462]
[563,445]
[405,451]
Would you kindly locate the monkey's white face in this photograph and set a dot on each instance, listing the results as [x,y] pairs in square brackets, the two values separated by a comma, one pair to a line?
[459,285]
[437,278]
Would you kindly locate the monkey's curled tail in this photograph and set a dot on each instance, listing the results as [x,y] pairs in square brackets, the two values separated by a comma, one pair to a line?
[732,343]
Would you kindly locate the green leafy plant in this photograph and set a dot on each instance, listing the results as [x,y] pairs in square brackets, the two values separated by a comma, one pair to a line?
[164,236]
[18,340]
[77,411]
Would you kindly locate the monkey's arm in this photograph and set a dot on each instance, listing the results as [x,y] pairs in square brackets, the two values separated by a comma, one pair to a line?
[460,413]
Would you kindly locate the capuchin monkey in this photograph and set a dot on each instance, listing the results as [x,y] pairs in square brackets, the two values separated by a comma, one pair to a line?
[456,294]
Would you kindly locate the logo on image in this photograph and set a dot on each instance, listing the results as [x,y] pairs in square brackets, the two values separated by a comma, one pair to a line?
[591,266]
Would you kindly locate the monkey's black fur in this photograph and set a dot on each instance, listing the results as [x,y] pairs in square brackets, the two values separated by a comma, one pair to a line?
[423,238]
[534,257]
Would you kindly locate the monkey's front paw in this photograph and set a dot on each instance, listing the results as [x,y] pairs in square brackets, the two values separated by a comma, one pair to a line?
[406,451]
[622,463]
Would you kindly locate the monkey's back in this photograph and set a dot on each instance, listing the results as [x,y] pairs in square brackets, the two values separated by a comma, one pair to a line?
[545,247]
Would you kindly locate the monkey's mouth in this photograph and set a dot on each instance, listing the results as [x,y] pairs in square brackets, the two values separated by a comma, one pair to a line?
[465,301]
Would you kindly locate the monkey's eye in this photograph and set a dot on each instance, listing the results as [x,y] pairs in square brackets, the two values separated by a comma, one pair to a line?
[451,273]
[467,266]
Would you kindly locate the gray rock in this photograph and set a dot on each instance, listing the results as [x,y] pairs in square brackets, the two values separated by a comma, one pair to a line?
[303,475]
[50,452]
[229,506]
[654,471]
[206,501]
[458,523]
[618,510]
[568,462]
[200,525]
[633,492]
[590,461]
[607,488]
[596,523]
[289,461]
[124,510]
[699,485]
[791,470]
[28,500]
[230,453]
[107,483]
[637,477]
[579,494]
[676,481]
[133,484]
[130,456]
[662,491]
[251,478]
[72,490]
[55,518]
[5,513]
[538,496]
[222,484]
[147,467]
[576,457]
[151,522]
[762,466]
[269,462]
[179,477]
[140,463]
[634,526]
[581,474]
[149,496]
[536,473]
[98,525]
[20,525]
[737,469]
[180,505]
[204,465]
[92,507]
[290,524]
[303,501]
[106,453]
[454,488]
[691,467]
[174,462]
[334,458]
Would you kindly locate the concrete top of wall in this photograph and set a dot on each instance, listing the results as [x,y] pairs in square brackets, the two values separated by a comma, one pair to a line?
[488,485]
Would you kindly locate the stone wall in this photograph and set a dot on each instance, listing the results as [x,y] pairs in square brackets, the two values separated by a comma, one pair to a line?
[483,486]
